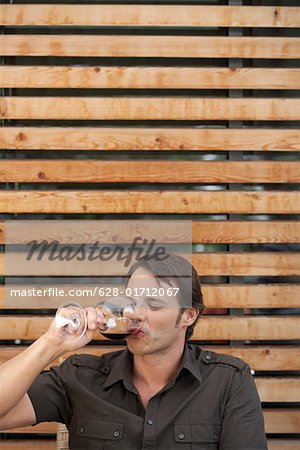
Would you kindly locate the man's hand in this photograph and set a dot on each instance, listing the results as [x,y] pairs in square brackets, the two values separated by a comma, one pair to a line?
[67,340]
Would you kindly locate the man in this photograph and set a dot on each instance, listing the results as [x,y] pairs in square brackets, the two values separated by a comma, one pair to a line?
[159,393]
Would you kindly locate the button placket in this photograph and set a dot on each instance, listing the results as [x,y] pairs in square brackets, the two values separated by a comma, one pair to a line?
[150,424]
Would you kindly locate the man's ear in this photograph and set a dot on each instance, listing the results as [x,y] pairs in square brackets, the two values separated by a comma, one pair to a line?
[189,316]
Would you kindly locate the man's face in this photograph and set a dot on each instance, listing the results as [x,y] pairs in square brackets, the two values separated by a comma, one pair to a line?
[161,327]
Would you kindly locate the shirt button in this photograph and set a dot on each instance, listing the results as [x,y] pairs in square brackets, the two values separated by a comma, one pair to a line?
[81,430]
[116,433]
[181,436]
[150,422]
[215,436]
[207,356]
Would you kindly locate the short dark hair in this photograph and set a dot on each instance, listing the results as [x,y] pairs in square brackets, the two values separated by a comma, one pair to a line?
[178,269]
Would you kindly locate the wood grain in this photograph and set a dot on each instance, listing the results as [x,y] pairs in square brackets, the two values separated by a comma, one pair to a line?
[197,231]
[178,202]
[28,444]
[149,108]
[146,15]
[244,231]
[247,264]
[282,421]
[283,444]
[150,46]
[149,171]
[150,138]
[41,428]
[279,389]
[101,77]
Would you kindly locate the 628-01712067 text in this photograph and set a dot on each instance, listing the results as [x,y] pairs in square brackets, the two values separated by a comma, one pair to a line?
[139,292]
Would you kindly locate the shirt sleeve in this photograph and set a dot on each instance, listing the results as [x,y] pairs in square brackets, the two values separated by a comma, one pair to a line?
[243,423]
[49,397]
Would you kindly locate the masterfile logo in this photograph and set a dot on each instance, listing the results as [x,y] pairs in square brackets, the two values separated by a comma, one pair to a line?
[43,255]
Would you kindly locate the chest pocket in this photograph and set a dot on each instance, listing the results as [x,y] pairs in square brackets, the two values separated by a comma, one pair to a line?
[99,434]
[201,436]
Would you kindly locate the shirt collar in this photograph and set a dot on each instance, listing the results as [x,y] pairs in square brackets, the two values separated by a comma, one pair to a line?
[190,362]
[121,369]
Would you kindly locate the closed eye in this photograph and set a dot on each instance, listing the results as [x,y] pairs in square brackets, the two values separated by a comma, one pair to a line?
[155,304]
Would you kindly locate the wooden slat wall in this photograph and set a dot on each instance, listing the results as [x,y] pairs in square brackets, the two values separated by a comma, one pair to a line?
[203,99]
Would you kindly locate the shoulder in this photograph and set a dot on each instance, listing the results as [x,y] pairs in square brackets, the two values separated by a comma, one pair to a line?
[88,361]
[223,361]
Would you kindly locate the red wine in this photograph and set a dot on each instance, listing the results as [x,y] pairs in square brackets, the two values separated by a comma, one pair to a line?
[115,336]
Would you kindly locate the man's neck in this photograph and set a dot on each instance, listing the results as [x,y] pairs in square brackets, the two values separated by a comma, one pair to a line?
[157,369]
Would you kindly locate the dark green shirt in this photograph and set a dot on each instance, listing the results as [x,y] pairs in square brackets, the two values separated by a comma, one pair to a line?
[211,404]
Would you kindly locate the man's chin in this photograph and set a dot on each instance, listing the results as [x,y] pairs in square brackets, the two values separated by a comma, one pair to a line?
[137,345]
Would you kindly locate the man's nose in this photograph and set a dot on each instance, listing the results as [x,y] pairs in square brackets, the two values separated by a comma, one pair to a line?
[139,311]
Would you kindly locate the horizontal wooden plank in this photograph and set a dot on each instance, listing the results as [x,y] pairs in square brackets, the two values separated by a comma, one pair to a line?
[150,138]
[263,358]
[279,357]
[149,171]
[146,15]
[179,202]
[215,296]
[244,231]
[247,264]
[284,444]
[28,444]
[205,231]
[208,328]
[279,389]
[41,428]
[149,108]
[248,328]
[251,296]
[147,77]
[215,264]
[279,421]
[150,46]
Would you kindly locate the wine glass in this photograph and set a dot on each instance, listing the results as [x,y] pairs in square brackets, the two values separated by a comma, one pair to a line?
[71,318]
[122,316]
